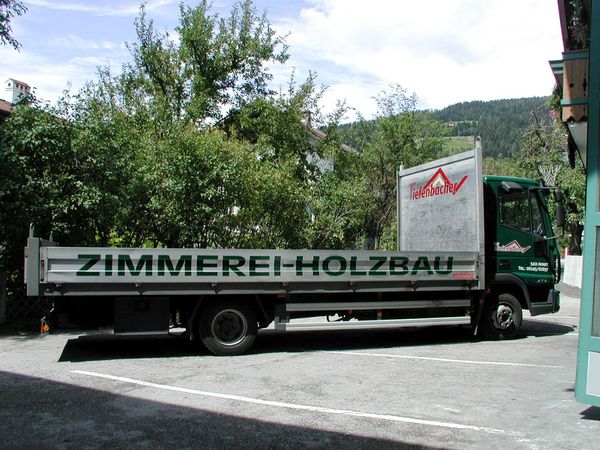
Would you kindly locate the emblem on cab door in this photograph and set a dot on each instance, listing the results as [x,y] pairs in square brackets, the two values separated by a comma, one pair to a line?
[511,247]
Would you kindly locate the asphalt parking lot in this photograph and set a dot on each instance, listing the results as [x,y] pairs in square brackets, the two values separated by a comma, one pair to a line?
[428,388]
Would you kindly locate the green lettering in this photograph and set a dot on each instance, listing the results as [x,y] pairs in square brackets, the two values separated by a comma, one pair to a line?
[233,263]
[436,265]
[300,264]
[398,262]
[201,264]
[422,264]
[85,269]
[341,269]
[184,261]
[277,266]
[108,265]
[125,260]
[380,261]
[254,264]
[353,271]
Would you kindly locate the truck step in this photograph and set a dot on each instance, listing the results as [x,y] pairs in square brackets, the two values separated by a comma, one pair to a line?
[371,324]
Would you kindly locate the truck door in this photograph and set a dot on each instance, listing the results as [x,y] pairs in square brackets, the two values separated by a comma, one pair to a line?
[521,247]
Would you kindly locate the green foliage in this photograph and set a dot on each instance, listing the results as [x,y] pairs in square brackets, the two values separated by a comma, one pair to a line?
[399,135]
[9,9]
[543,144]
[187,147]
[213,192]
[339,209]
[282,126]
[500,123]
[457,144]
[217,64]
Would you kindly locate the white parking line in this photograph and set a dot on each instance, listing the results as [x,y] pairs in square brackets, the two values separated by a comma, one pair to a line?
[309,408]
[462,361]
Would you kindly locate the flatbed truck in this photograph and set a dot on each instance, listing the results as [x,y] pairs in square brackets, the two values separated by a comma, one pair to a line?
[473,250]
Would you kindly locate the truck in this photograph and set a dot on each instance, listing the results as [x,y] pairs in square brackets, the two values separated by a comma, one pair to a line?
[472,250]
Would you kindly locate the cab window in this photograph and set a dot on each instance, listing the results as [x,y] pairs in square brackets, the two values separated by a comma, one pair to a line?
[537,222]
[515,211]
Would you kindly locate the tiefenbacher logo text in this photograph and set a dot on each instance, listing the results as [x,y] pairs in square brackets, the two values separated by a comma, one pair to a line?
[438,184]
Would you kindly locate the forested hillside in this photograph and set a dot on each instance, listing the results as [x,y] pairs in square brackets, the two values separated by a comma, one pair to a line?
[500,123]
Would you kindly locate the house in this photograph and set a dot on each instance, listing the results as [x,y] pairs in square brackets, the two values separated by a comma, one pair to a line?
[578,79]
[15,91]
[5,110]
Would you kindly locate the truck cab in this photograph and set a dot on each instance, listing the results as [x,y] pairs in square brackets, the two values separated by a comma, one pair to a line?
[523,260]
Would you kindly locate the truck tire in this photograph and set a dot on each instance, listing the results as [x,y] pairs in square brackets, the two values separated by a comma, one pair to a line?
[501,318]
[228,327]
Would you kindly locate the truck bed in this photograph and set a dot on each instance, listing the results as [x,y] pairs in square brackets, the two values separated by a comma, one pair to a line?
[58,271]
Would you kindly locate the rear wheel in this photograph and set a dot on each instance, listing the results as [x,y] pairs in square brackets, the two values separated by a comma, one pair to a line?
[501,318]
[228,327]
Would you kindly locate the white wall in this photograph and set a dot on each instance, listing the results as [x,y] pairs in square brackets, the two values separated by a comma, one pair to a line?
[573,269]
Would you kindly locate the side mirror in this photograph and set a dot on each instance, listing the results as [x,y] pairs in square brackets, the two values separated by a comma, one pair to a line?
[560,215]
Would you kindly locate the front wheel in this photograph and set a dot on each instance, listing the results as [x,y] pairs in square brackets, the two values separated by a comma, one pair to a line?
[501,318]
[228,327]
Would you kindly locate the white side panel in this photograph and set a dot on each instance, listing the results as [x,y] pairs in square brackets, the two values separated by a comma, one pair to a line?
[440,206]
[593,375]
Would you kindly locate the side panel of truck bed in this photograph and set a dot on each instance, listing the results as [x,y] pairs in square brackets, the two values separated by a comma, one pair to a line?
[106,271]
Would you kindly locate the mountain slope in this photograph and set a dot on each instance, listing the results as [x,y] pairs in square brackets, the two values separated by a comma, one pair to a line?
[500,123]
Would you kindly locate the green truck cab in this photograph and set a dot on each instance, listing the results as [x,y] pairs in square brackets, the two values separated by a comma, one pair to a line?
[523,257]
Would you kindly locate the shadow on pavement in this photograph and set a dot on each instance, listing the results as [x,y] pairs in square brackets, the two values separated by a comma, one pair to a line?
[541,328]
[106,347]
[109,347]
[41,413]
[592,413]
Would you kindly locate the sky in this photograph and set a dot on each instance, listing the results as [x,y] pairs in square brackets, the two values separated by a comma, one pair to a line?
[445,51]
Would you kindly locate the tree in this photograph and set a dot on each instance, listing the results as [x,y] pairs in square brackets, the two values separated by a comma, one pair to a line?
[284,125]
[544,144]
[9,9]
[217,65]
[402,137]
[59,173]
[339,206]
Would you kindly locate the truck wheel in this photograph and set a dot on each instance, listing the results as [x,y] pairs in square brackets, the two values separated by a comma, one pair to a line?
[501,318]
[228,328]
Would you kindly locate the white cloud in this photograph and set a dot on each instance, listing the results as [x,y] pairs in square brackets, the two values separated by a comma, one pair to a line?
[104,8]
[446,51]
[49,77]
[74,42]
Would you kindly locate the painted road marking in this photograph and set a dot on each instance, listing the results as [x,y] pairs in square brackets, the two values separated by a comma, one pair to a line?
[463,361]
[294,406]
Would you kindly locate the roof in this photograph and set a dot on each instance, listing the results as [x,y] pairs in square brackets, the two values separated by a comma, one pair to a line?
[5,108]
[20,82]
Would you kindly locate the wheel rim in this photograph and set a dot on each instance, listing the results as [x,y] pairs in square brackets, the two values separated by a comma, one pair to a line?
[503,317]
[229,327]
